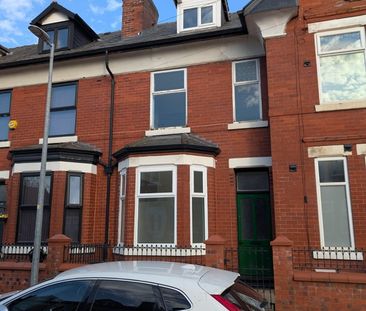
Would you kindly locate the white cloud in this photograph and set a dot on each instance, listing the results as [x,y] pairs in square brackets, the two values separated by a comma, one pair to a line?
[12,15]
[110,6]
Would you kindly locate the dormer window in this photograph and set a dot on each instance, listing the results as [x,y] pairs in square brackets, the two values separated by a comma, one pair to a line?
[60,37]
[197,17]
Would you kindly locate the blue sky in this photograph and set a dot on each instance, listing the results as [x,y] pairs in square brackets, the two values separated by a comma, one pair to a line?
[101,15]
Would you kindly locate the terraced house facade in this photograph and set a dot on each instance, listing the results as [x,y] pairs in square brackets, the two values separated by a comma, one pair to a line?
[230,129]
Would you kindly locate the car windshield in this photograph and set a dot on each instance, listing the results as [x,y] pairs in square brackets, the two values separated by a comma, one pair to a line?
[244,297]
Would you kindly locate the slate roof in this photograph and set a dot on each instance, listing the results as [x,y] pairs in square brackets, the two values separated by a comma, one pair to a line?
[76,146]
[169,143]
[159,35]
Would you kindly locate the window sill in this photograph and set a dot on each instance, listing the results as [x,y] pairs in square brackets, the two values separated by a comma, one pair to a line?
[4,144]
[61,139]
[338,255]
[247,125]
[340,106]
[168,131]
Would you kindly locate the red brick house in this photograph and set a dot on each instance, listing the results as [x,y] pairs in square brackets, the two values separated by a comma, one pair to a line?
[221,124]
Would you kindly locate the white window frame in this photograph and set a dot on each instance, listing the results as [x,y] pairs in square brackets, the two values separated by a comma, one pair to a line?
[152,93]
[199,16]
[235,84]
[320,54]
[138,195]
[319,201]
[122,207]
[203,169]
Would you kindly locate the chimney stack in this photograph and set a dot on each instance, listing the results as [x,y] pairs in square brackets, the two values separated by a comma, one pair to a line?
[138,15]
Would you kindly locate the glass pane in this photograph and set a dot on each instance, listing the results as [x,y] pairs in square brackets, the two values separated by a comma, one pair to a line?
[72,223]
[62,38]
[62,122]
[331,171]
[65,296]
[166,81]
[51,34]
[246,71]
[170,110]
[74,190]
[122,222]
[247,102]
[156,182]
[263,219]
[30,190]
[198,220]
[335,216]
[4,128]
[343,77]
[156,220]
[3,197]
[344,41]
[190,18]
[174,300]
[122,295]
[206,15]
[198,182]
[26,225]
[252,181]
[63,96]
[123,185]
[5,99]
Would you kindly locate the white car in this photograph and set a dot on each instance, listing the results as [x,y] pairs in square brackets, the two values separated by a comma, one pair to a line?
[138,286]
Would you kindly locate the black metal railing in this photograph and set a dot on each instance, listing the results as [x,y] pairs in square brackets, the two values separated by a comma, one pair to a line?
[333,259]
[16,252]
[256,269]
[95,253]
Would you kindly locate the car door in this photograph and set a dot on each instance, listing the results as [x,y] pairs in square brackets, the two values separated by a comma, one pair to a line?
[62,296]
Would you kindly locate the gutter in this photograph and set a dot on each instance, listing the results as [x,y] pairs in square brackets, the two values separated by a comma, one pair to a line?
[108,169]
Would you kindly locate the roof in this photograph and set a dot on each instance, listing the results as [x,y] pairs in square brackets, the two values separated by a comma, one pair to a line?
[71,151]
[258,6]
[54,6]
[224,4]
[3,50]
[159,35]
[168,273]
[169,143]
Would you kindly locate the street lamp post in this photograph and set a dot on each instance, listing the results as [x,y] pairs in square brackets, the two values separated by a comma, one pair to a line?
[41,34]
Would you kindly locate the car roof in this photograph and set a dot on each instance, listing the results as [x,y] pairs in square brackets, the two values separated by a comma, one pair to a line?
[213,281]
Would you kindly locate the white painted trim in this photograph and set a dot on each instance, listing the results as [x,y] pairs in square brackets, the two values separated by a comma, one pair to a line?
[319,200]
[61,139]
[179,159]
[176,252]
[250,162]
[55,17]
[340,106]
[4,174]
[4,144]
[174,91]
[168,131]
[122,211]
[204,195]
[57,166]
[327,151]
[247,125]
[361,149]
[252,82]
[138,195]
[333,253]
[337,23]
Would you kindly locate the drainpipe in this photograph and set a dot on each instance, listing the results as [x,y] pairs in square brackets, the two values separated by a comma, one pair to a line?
[108,169]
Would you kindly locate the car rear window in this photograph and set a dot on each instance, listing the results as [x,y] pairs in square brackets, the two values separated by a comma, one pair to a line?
[174,300]
[245,297]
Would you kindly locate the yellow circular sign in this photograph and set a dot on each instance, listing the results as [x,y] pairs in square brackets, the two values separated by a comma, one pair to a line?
[13,124]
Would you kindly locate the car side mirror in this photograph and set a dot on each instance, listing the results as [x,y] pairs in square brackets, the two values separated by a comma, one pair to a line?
[3,308]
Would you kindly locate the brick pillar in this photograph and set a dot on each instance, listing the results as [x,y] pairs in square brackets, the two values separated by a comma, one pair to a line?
[215,252]
[55,256]
[283,273]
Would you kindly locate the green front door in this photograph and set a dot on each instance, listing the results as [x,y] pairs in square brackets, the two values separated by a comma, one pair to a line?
[255,234]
